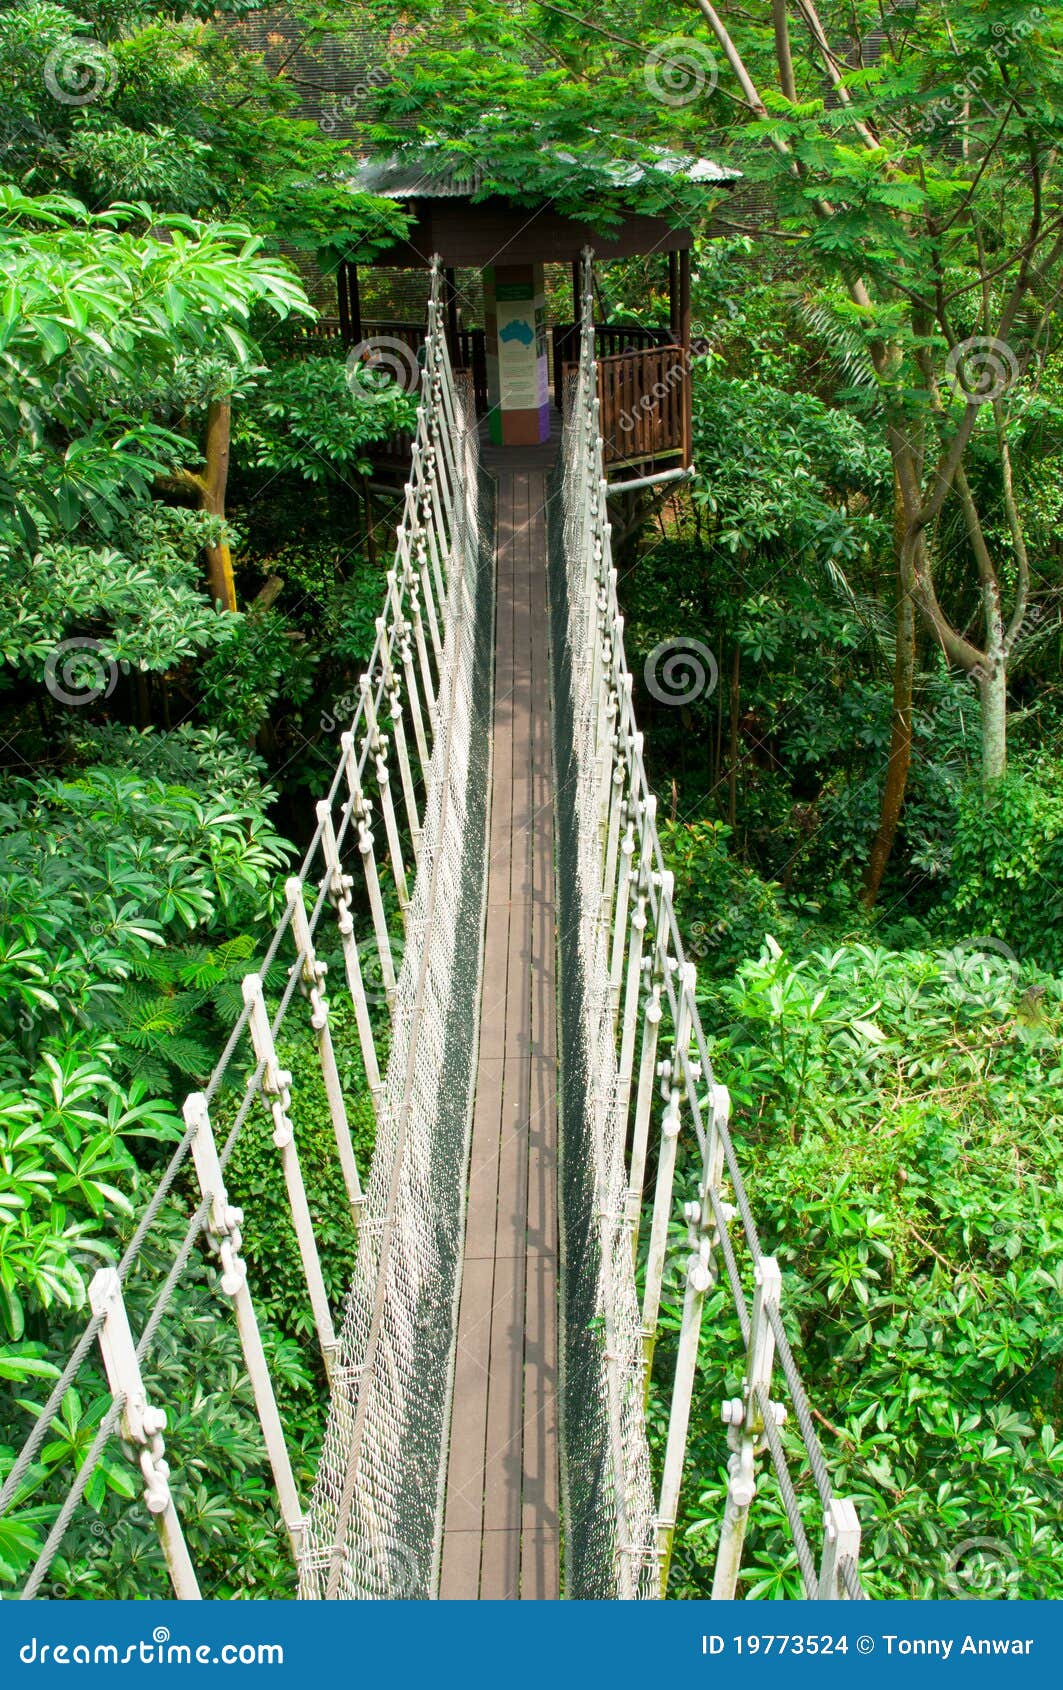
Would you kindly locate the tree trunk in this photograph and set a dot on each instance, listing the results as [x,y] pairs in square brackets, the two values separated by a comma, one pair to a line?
[732,772]
[901,712]
[212,498]
[993,696]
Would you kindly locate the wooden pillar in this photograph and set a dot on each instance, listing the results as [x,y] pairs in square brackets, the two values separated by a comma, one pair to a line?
[354,303]
[684,341]
[673,300]
[577,299]
[341,302]
[451,296]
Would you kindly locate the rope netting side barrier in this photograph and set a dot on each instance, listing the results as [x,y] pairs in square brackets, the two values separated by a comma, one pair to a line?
[386,878]
[650,1182]
[375,1522]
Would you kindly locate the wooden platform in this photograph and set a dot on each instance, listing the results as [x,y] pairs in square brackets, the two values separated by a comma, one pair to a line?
[501,1528]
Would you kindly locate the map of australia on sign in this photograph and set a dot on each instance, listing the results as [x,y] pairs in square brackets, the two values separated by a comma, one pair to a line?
[518,329]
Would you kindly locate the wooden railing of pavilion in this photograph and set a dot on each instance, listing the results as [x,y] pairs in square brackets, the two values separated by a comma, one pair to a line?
[644,408]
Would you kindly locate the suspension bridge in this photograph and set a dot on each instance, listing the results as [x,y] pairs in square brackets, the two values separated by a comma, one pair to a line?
[552,1149]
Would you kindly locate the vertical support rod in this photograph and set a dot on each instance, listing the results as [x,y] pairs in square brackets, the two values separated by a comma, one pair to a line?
[341,303]
[312,980]
[355,306]
[378,746]
[361,812]
[633,984]
[276,1082]
[841,1541]
[627,874]
[142,1426]
[640,1132]
[398,736]
[666,1157]
[700,1278]
[224,1224]
[742,1418]
[340,888]
[673,295]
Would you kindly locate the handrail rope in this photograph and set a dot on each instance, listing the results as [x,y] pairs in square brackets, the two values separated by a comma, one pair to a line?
[799,1398]
[104,1433]
[385,646]
[805,1558]
[851,1579]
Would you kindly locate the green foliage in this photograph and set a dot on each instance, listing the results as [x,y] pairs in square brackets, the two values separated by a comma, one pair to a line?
[1007,862]
[96,872]
[726,909]
[309,422]
[76,283]
[259,663]
[179,114]
[64,1168]
[898,1125]
[778,469]
[203,760]
[144,604]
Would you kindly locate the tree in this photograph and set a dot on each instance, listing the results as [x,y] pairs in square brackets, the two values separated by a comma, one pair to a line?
[937,214]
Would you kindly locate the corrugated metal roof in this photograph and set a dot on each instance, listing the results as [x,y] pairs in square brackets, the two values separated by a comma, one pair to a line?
[429,176]
[398,179]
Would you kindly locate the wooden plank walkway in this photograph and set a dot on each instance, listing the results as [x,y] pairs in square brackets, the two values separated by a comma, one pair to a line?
[501,1527]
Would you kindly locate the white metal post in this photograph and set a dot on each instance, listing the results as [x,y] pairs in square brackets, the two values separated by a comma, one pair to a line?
[340,886]
[841,1541]
[275,1085]
[312,981]
[361,811]
[398,735]
[700,1278]
[633,985]
[142,1426]
[377,743]
[666,1156]
[224,1231]
[742,1417]
[413,697]
[652,1015]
